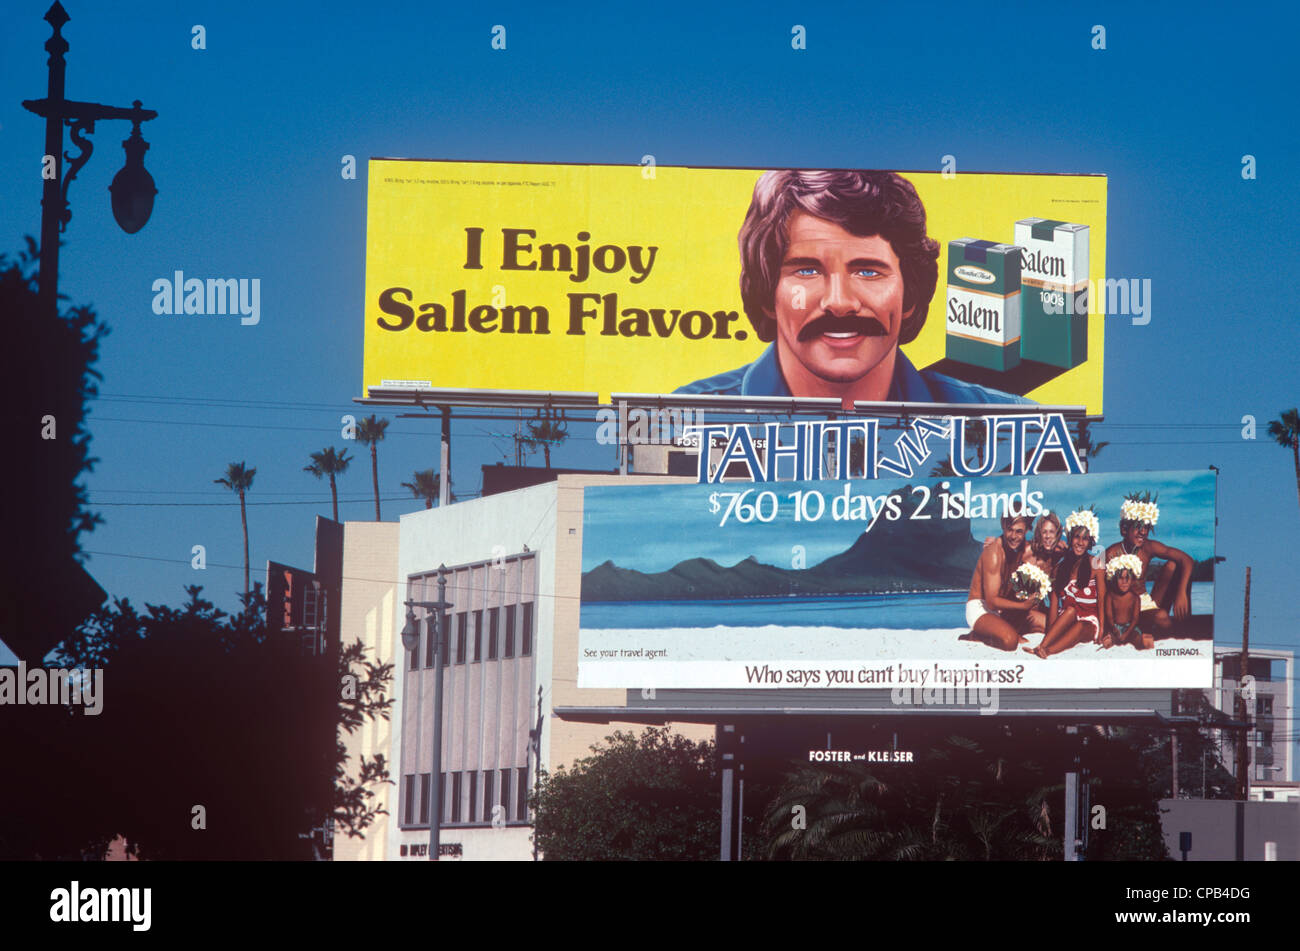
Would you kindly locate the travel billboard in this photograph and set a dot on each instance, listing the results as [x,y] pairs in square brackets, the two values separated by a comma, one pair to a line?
[918,287]
[1037,581]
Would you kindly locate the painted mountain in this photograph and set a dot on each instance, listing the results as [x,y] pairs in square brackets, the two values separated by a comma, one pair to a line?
[921,555]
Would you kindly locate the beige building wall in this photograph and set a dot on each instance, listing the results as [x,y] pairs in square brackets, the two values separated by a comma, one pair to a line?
[546,521]
[367,611]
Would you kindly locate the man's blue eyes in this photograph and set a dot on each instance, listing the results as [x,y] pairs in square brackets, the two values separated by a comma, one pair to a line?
[809,271]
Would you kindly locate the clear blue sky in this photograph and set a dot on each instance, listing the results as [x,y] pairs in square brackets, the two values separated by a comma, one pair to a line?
[246,153]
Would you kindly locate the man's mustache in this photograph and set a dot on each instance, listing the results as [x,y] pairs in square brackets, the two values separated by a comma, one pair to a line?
[852,323]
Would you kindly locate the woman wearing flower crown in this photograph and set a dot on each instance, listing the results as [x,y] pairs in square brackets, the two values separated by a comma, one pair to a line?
[1171,590]
[1077,605]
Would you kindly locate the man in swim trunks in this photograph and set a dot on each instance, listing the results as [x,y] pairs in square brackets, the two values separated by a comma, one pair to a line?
[994,619]
[1171,590]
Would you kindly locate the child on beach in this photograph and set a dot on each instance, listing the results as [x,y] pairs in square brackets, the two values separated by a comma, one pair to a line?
[1123,605]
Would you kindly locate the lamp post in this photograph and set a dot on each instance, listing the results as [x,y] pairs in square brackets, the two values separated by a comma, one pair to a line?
[411,641]
[133,187]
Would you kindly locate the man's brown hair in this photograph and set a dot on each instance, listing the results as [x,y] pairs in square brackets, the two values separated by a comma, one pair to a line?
[862,203]
[1009,520]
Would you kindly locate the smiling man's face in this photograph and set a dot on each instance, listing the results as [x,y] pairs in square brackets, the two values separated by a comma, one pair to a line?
[839,309]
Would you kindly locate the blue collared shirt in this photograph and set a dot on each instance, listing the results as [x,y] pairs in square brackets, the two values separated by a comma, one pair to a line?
[910,385]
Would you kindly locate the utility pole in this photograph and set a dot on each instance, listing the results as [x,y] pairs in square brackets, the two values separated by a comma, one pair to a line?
[1070,820]
[444,462]
[535,741]
[1173,751]
[1243,743]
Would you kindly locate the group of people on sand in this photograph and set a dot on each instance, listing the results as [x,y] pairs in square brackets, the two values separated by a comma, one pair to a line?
[1044,579]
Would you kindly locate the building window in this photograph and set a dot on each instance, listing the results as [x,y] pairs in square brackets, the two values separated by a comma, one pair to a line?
[1264,738]
[462,635]
[526,631]
[408,799]
[510,631]
[442,798]
[505,794]
[473,797]
[478,636]
[429,642]
[455,797]
[494,631]
[488,802]
[424,799]
[446,640]
[521,807]
[413,655]
[1264,706]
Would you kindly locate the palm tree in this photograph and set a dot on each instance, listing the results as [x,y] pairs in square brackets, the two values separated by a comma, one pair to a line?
[239,479]
[428,486]
[1286,430]
[545,432]
[329,462]
[370,433]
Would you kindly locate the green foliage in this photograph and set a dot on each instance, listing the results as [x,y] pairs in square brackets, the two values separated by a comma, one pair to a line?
[47,369]
[959,801]
[370,432]
[427,486]
[200,708]
[545,433]
[238,478]
[993,793]
[329,461]
[653,797]
[1285,430]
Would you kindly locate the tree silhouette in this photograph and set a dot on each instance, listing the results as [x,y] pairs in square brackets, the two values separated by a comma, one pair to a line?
[544,433]
[428,486]
[370,432]
[959,801]
[329,462]
[238,479]
[48,376]
[1087,448]
[214,741]
[1286,431]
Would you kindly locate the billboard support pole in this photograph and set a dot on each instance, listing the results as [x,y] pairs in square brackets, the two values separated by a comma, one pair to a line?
[622,437]
[1071,818]
[444,461]
[1243,741]
[726,741]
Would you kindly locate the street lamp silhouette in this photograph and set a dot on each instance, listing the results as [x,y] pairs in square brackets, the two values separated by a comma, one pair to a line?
[133,188]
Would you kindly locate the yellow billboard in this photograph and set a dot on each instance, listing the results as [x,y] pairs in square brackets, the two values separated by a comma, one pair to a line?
[865,285]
